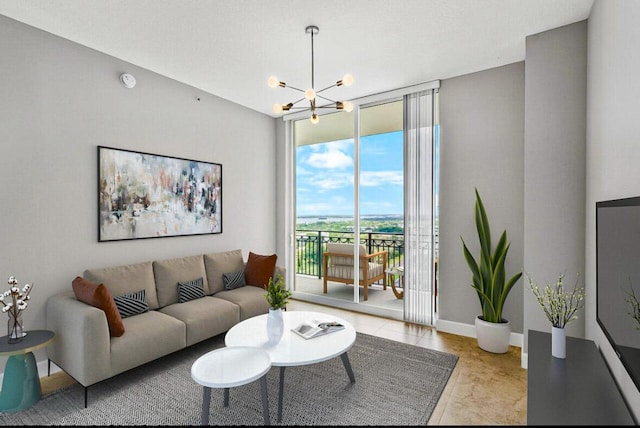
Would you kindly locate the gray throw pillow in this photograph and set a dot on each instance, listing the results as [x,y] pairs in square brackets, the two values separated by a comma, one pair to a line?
[232,280]
[190,290]
[132,303]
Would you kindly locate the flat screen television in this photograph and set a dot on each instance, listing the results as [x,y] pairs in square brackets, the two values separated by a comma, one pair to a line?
[618,279]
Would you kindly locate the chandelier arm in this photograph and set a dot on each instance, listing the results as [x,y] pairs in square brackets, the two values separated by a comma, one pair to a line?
[325,98]
[297,101]
[328,87]
[297,89]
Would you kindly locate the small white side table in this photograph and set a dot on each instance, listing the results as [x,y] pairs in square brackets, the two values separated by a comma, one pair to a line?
[228,367]
[399,272]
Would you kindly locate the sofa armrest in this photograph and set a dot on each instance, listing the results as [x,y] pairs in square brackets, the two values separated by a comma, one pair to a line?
[82,343]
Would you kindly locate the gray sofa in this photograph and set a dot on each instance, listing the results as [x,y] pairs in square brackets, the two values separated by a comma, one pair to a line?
[84,348]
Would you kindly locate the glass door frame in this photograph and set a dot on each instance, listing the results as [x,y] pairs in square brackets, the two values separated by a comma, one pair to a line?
[290,184]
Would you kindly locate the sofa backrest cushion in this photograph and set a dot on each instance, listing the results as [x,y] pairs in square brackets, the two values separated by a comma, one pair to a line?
[170,272]
[127,279]
[343,248]
[259,269]
[97,295]
[217,264]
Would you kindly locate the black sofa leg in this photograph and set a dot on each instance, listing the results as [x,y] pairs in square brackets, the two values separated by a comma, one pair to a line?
[86,390]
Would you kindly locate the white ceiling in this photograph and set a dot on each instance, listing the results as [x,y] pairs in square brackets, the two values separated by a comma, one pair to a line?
[230,47]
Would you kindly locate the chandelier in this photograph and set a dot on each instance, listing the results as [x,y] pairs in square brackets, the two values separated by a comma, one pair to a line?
[311,94]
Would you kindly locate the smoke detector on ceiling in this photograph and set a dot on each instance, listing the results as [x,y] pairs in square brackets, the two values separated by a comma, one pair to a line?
[127,80]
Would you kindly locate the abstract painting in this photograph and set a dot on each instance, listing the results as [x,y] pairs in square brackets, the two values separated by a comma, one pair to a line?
[142,195]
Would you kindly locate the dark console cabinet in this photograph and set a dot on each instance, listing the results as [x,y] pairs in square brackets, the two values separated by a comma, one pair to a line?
[578,390]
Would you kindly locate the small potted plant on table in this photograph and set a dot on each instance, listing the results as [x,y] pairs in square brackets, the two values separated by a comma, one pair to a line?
[278,297]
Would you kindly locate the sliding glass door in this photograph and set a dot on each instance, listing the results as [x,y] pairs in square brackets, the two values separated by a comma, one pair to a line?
[350,189]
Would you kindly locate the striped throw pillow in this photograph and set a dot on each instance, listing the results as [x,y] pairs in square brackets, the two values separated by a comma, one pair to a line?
[190,290]
[233,280]
[132,303]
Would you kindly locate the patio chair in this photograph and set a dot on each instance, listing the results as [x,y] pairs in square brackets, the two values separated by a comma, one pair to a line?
[338,266]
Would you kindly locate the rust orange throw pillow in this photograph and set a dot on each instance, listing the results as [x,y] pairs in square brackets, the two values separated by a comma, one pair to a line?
[259,269]
[100,297]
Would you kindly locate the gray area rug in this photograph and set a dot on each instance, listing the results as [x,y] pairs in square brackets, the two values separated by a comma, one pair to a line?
[396,384]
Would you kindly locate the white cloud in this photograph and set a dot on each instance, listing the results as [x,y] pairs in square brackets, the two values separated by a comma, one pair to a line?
[330,160]
[333,181]
[301,171]
[332,155]
[381,178]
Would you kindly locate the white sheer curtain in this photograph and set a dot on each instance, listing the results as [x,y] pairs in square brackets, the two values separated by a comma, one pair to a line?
[418,207]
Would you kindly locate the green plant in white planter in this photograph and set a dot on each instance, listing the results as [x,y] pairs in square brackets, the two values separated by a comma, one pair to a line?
[489,280]
[277,296]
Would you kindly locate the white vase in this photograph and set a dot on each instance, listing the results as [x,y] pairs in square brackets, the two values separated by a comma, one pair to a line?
[275,326]
[558,342]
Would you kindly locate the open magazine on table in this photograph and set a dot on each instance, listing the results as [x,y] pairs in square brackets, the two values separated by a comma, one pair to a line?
[315,328]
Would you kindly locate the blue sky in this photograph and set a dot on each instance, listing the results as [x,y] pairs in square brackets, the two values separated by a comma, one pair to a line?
[325,176]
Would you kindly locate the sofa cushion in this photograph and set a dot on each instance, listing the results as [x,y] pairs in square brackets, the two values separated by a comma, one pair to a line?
[171,271]
[149,336]
[98,295]
[190,290]
[233,280]
[259,269]
[131,304]
[216,264]
[250,300]
[204,318]
[127,279]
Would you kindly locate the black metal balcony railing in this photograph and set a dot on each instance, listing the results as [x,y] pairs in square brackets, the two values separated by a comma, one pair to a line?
[310,244]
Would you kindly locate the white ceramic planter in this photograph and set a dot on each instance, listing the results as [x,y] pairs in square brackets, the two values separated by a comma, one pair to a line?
[493,337]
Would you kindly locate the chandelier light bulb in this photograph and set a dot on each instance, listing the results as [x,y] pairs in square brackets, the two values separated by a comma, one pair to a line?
[310,94]
[347,80]
[277,108]
[315,118]
[347,106]
[273,82]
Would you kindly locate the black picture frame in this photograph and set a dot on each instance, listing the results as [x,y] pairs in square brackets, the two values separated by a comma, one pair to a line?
[144,195]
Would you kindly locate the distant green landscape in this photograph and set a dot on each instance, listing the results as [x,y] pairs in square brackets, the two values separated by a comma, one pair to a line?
[382,224]
[376,232]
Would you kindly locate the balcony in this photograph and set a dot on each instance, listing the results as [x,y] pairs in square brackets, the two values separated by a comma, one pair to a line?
[310,244]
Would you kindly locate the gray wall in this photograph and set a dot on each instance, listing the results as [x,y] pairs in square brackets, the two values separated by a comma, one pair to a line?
[58,102]
[481,146]
[554,165]
[613,142]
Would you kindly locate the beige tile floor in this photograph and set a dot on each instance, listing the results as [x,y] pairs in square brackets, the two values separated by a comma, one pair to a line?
[484,388]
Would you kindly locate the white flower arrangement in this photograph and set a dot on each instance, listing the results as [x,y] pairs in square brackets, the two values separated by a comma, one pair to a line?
[559,306]
[14,300]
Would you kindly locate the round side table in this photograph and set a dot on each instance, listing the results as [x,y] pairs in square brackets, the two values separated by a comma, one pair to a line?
[21,384]
[399,272]
[228,367]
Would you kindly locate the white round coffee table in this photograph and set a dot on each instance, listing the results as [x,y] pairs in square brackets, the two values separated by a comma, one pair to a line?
[229,367]
[293,350]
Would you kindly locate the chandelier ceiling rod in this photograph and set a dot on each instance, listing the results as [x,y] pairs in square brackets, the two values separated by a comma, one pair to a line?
[313,30]
[311,94]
